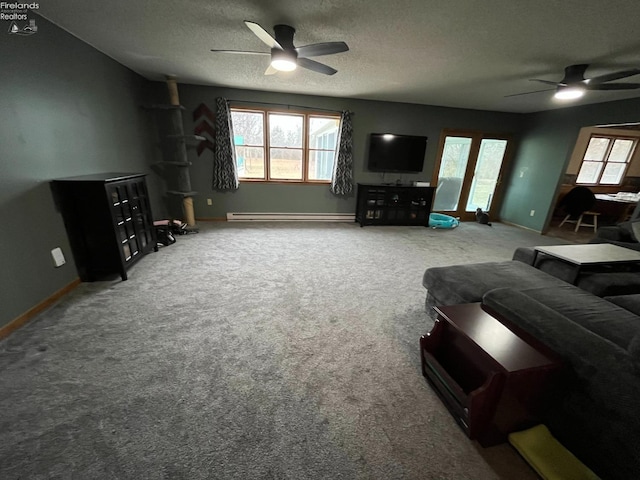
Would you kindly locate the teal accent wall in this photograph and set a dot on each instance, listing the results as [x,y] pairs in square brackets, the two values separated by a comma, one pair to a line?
[544,151]
[369,116]
[65,110]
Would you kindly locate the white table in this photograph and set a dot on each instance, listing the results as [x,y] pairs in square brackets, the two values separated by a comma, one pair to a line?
[590,255]
[618,206]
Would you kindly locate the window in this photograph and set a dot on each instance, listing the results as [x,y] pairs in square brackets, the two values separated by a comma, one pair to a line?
[284,147]
[606,160]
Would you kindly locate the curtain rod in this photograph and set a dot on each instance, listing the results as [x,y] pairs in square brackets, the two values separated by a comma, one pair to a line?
[288,106]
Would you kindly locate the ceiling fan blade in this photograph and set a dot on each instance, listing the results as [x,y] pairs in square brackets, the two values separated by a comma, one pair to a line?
[242,52]
[529,93]
[614,76]
[548,82]
[318,49]
[316,66]
[262,34]
[614,86]
[270,70]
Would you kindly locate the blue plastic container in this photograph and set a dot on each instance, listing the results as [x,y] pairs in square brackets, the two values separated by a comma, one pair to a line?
[440,220]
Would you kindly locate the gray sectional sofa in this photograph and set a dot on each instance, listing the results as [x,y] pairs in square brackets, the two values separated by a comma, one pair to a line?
[625,234]
[595,412]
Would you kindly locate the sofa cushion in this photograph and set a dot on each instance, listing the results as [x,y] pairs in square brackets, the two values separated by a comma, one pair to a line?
[632,228]
[631,303]
[594,413]
[610,283]
[597,315]
[628,302]
[554,328]
[634,352]
[458,284]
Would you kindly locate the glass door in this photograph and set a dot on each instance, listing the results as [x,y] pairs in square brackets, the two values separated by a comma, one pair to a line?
[453,166]
[469,172]
[486,174]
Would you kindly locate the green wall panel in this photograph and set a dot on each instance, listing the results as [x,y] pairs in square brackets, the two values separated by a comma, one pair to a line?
[544,152]
[66,109]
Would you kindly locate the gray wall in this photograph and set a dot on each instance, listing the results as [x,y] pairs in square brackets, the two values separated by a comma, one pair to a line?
[544,152]
[370,116]
[66,110]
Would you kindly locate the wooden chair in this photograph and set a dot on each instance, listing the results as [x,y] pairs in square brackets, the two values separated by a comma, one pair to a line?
[580,223]
[576,204]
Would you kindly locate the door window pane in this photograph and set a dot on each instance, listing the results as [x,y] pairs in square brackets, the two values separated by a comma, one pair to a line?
[486,174]
[455,156]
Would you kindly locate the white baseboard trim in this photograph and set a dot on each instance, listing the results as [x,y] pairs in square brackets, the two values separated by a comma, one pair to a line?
[290,217]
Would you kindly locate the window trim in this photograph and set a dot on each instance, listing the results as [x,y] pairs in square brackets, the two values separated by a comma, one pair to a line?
[605,160]
[306,150]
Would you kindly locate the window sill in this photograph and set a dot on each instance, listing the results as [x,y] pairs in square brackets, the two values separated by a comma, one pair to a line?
[285,182]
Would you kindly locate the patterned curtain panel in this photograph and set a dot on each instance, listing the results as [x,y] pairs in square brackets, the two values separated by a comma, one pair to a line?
[225,171]
[342,178]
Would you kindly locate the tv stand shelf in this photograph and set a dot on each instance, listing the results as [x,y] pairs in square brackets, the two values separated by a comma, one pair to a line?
[393,205]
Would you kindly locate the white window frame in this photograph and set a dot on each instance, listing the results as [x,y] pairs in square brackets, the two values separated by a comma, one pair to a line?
[605,159]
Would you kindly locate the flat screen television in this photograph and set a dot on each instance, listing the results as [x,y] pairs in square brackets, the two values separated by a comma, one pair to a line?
[396,153]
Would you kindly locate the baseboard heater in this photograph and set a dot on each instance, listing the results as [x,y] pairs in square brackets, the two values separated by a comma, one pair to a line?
[291,217]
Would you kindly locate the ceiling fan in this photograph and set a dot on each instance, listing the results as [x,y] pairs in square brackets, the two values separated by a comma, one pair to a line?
[285,56]
[574,85]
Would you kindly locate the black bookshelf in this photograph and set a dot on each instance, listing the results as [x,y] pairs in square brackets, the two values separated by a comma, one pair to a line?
[108,220]
[393,205]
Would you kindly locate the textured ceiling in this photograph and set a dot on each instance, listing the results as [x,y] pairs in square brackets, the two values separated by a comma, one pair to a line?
[455,53]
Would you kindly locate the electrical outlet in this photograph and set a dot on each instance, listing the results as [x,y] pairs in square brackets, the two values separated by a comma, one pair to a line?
[532,213]
[209,201]
[58,257]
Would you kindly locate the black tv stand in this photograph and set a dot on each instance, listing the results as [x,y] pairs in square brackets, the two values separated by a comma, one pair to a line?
[392,204]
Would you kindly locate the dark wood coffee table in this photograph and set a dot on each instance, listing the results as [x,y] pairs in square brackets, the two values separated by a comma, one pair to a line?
[492,380]
[591,256]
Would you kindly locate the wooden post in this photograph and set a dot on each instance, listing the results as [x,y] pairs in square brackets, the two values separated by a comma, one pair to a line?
[184,180]
[172,85]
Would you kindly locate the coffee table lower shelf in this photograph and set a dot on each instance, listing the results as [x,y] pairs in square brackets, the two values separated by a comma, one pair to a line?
[491,380]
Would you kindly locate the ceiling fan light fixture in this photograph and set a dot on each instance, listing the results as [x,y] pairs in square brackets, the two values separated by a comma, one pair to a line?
[569,93]
[284,61]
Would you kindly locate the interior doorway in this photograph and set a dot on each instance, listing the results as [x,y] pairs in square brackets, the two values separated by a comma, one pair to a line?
[468,172]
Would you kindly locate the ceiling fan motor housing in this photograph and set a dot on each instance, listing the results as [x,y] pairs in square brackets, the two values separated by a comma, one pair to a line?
[574,74]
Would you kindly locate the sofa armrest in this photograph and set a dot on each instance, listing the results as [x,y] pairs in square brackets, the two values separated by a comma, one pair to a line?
[524,255]
[614,233]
